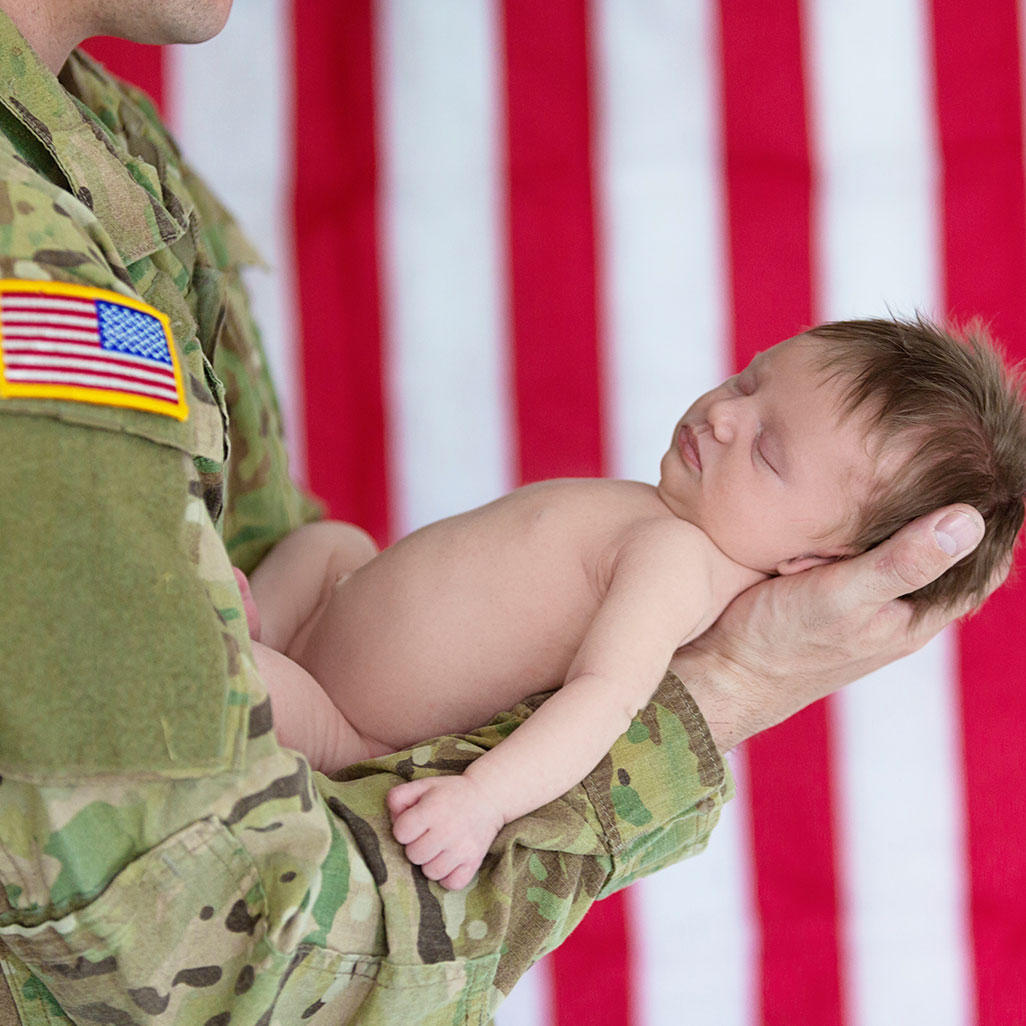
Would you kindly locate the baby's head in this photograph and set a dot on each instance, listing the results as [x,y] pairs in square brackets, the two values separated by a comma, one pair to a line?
[829,442]
[950,403]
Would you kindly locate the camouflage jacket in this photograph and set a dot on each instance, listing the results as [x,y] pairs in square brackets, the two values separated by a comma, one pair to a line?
[162,859]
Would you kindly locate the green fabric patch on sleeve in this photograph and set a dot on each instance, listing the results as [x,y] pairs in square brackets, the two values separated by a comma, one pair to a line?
[114,658]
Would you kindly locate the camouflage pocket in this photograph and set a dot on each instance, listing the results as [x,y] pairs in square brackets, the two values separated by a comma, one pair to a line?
[372,991]
[181,936]
[177,937]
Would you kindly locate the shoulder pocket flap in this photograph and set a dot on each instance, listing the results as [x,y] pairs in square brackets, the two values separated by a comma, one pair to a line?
[92,357]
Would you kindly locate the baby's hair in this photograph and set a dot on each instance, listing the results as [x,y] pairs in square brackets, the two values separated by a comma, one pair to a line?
[948,393]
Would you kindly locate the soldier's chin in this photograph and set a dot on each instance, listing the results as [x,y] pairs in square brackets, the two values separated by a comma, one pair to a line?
[173,21]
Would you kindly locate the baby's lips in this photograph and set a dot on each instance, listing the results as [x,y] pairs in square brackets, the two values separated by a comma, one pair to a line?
[687,443]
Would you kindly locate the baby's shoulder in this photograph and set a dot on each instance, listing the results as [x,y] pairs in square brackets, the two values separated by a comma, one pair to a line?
[668,538]
[680,558]
[606,497]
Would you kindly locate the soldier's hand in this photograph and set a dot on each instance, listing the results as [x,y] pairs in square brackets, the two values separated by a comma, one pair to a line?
[789,641]
[446,825]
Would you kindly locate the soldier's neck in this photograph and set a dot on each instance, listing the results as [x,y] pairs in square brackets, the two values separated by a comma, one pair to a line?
[53,28]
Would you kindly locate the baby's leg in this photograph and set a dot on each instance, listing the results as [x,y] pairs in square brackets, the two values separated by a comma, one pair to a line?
[306,720]
[296,577]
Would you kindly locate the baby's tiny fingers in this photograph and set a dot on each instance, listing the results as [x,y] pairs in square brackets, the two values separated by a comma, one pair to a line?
[424,849]
[459,877]
[441,866]
[409,825]
[402,796]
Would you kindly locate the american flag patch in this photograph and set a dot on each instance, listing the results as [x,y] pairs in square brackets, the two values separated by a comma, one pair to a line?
[62,341]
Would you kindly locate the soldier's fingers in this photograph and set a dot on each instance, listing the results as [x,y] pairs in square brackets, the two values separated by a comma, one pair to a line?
[916,555]
[934,620]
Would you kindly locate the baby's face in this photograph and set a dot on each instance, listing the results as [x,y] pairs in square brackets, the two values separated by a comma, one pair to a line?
[767,467]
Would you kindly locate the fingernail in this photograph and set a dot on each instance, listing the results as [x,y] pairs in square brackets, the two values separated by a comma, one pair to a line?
[957,533]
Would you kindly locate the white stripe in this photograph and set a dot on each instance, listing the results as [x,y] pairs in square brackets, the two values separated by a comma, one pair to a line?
[873,131]
[530,1001]
[900,815]
[243,147]
[696,948]
[99,364]
[11,347]
[89,381]
[661,216]
[902,842]
[25,332]
[443,265]
[17,301]
[33,317]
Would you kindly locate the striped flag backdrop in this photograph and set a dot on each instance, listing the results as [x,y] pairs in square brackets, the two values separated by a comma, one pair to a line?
[512,239]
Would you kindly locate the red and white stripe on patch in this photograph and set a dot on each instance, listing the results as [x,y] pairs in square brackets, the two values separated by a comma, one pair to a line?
[63,341]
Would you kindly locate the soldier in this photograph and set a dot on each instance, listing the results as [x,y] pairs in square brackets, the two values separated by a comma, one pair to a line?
[163,860]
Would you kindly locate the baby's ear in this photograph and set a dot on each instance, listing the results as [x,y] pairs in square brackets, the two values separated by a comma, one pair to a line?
[796,564]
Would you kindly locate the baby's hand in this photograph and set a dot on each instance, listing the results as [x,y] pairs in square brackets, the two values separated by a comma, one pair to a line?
[446,825]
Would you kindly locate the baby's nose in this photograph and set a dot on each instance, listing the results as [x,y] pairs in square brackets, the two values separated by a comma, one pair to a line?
[721,421]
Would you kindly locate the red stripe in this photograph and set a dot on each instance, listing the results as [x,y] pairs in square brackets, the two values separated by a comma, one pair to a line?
[979,114]
[147,393]
[34,332]
[556,365]
[552,240]
[19,301]
[18,339]
[591,975]
[335,203]
[141,65]
[100,368]
[769,201]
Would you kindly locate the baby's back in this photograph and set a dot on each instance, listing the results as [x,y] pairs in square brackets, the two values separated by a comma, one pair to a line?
[468,615]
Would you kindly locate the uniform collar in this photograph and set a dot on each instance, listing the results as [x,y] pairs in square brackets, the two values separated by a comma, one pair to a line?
[87,135]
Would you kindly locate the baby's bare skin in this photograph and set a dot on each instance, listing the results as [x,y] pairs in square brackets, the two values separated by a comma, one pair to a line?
[588,586]
[459,596]
[428,638]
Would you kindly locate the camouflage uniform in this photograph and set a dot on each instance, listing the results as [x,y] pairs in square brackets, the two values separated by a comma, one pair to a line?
[162,859]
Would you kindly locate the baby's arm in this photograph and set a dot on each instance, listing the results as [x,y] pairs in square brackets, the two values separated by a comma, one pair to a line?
[297,575]
[659,596]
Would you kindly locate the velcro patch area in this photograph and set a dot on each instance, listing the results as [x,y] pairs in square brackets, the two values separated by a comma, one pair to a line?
[90,345]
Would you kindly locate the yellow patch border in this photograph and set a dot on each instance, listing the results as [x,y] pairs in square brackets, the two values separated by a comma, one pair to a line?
[101,396]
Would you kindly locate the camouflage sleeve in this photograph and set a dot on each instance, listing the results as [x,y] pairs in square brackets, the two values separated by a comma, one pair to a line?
[263,497]
[653,801]
[135,736]
[162,860]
